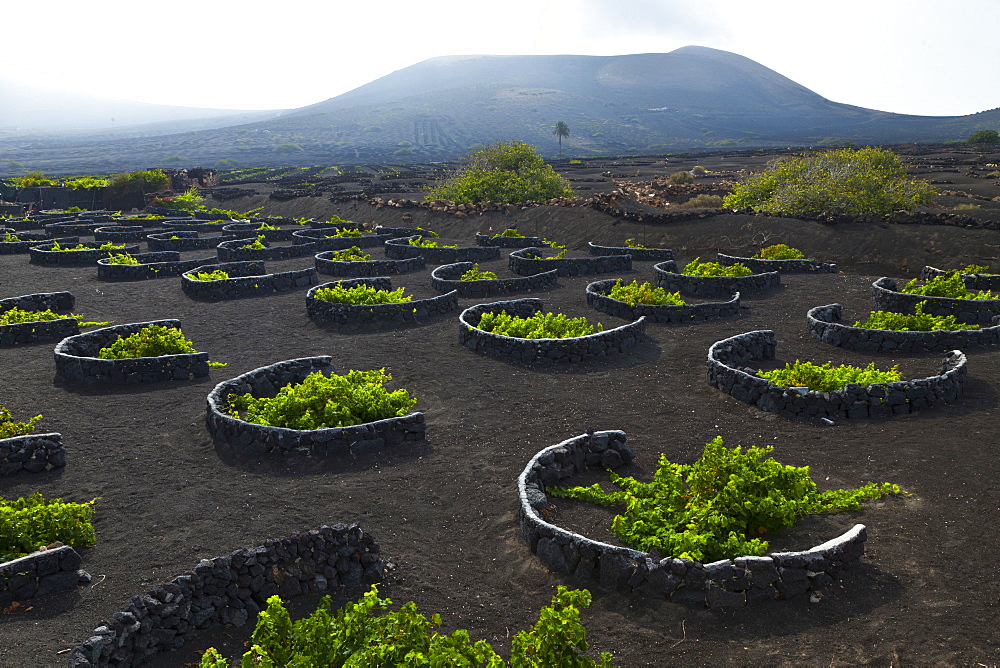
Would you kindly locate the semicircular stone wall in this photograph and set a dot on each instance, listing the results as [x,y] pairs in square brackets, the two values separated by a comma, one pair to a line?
[887,297]
[251,439]
[120,233]
[727,582]
[989,282]
[161,264]
[447,277]
[640,254]
[246,279]
[400,249]
[398,313]
[325,265]
[233,251]
[597,298]
[508,242]
[666,277]
[824,324]
[322,242]
[33,332]
[784,266]
[522,263]
[545,351]
[45,256]
[728,371]
[31,239]
[185,240]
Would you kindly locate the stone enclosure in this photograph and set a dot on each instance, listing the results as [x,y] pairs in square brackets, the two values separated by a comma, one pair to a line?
[396,313]
[597,298]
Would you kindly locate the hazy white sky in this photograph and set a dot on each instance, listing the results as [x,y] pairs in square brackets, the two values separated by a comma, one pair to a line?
[927,57]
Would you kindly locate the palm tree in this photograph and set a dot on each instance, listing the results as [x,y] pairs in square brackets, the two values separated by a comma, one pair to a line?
[562,130]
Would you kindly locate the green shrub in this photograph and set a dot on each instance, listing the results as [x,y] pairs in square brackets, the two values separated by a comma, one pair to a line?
[190,201]
[327,401]
[848,181]
[122,258]
[10,237]
[974,269]
[15,316]
[826,377]
[56,246]
[537,326]
[950,285]
[702,201]
[634,293]
[510,172]
[695,268]
[984,137]
[421,243]
[352,254]
[85,182]
[345,233]
[31,522]
[216,275]
[509,232]
[265,226]
[258,244]
[632,243]
[369,633]
[918,322]
[33,179]
[475,275]
[717,507]
[679,178]
[780,252]
[150,341]
[148,180]
[361,294]
[10,429]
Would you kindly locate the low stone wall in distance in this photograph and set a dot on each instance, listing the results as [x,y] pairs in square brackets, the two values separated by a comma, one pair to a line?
[727,582]
[521,263]
[232,251]
[666,277]
[32,239]
[824,324]
[729,371]
[250,439]
[246,279]
[45,256]
[233,589]
[639,254]
[32,453]
[398,313]
[321,242]
[251,231]
[542,351]
[119,233]
[39,574]
[886,297]
[447,277]
[162,264]
[400,249]
[186,240]
[989,282]
[508,242]
[784,266]
[597,298]
[76,361]
[366,268]
[34,332]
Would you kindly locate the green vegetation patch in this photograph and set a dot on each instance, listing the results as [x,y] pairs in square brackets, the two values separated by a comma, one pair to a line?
[31,522]
[121,258]
[216,275]
[950,285]
[918,322]
[826,377]
[150,341]
[9,428]
[847,181]
[369,633]
[537,326]
[427,243]
[17,316]
[326,401]
[475,274]
[635,293]
[696,268]
[361,294]
[352,254]
[780,252]
[717,507]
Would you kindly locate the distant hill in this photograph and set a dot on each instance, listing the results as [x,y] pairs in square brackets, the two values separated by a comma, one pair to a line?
[691,99]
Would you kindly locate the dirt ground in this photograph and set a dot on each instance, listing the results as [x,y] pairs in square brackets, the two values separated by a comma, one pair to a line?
[444,510]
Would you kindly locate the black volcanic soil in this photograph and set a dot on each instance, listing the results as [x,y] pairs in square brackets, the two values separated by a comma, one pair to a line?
[445,510]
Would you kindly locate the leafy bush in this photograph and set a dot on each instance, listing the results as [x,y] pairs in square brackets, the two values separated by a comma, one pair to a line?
[826,377]
[702,201]
[429,243]
[475,275]
[10,429]
[867,180]
[714,508]
[974,269]
[950,285]
[634,293]
[145,180]
[537,326]
[10,237]
[216,275]
[780,252]
[265,226]
[258,244]
[361,294]
[679,178]
[352,254]
[122,258]
[31,522]
[15,316]
[190,201]
[344,233]
[56,246]
[33,179]
[918,322]
[510,172]
[327,401]
[150,341]
[632,243]
[984,137]
[85,182]
[509,232]
[357,635]
[695,268]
